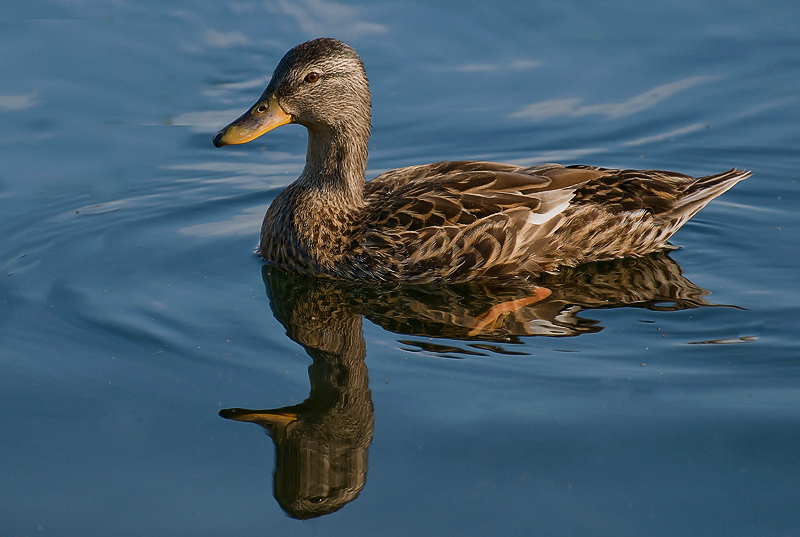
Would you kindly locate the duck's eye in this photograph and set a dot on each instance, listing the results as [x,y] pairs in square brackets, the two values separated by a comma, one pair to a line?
[261,108]
[312,77]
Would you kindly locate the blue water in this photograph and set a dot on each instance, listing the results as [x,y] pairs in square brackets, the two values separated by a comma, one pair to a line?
[134,309]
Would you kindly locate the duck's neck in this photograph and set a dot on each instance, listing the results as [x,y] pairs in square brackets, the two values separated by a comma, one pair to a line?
[336,165]
[307,224]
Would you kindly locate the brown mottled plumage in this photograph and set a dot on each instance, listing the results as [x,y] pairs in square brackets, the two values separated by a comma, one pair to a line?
[447,221]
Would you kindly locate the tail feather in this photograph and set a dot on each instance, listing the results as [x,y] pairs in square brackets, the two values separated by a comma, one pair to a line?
[705,189]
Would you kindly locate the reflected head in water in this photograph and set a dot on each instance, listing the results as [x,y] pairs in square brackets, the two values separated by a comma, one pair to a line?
[320,458]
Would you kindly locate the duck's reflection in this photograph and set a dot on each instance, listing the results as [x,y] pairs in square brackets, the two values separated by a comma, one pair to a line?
[321,444]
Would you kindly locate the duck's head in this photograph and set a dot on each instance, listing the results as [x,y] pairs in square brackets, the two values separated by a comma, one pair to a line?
[320,84]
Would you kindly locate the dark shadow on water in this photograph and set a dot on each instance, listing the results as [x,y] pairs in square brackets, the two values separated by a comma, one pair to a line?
[321,444]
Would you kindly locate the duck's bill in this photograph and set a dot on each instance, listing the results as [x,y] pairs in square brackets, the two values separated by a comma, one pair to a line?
[260,119]
[262,417]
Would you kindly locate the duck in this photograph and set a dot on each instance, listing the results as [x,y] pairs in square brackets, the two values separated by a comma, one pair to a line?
[444,222]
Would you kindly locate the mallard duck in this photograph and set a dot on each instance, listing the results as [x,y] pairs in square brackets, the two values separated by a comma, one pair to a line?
[451,221]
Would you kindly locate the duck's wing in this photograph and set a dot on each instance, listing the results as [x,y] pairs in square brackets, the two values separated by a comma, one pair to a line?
[468,220]
[462,192]
[465,219]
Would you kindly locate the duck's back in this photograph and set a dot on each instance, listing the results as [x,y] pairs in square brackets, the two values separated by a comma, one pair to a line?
[468,220]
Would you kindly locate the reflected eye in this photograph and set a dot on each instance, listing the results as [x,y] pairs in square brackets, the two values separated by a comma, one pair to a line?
[312,77]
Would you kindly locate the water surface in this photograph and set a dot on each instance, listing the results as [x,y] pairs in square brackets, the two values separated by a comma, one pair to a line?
[657,397]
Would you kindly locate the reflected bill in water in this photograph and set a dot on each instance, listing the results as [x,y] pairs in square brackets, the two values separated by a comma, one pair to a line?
[321,444]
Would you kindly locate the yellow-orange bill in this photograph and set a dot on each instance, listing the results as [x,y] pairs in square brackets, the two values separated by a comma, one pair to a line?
[260,119]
